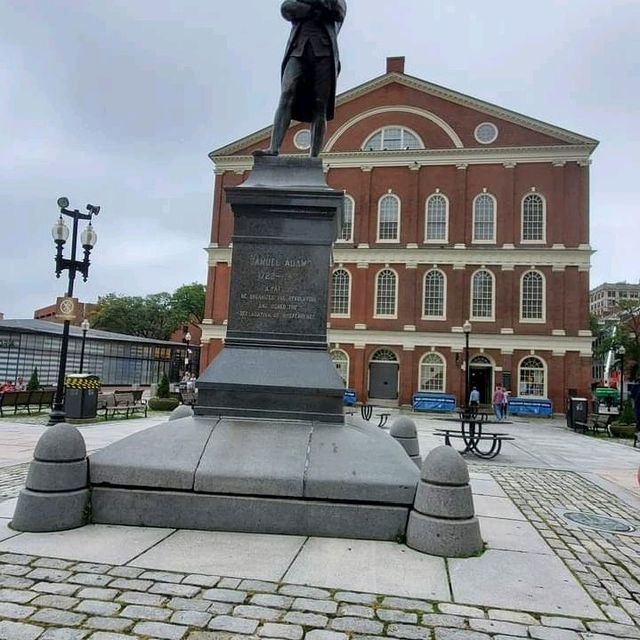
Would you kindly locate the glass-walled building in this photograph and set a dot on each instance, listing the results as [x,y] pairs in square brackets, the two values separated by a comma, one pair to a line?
[116,358]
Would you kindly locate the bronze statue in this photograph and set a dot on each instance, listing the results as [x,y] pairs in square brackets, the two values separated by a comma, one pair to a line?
[309,70]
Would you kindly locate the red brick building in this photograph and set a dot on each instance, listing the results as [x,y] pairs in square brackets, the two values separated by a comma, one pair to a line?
[457,210]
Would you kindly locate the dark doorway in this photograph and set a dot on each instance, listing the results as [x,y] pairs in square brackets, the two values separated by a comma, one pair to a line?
[480,378]
[383,380]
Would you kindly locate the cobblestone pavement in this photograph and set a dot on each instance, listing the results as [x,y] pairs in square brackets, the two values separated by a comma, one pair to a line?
[12,479]
[52,599]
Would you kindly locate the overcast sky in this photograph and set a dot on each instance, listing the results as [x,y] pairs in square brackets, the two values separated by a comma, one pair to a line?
[118,103]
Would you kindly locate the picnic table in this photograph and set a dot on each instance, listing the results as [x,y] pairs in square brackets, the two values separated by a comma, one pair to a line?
[474,438]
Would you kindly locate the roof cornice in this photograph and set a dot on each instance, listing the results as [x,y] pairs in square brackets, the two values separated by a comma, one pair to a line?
[416,158]
[570,137]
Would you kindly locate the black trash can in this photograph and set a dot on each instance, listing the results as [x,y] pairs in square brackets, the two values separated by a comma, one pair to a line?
[81,395]
[577,411]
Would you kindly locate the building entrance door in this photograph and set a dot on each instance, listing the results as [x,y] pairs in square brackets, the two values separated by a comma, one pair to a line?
[383,376]
[481,377]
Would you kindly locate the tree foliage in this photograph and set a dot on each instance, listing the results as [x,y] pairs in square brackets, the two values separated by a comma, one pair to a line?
[626,334]
[156,315]
[34,383]
[163,386]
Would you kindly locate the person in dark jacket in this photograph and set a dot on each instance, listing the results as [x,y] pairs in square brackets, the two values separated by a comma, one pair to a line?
[310,68]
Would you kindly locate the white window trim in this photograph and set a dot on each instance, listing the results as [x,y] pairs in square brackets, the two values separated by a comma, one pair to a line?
[348,314]
[495,127]
[495,218]
[546,376]
[493,297]
[342,351]
[542,320]
[391,240]
[443,361]
[444,296]
[353,220]
[544,219]
[446,220]
[391,126]
[375,296]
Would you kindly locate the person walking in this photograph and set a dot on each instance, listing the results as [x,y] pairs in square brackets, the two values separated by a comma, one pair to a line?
[635,394]
[498,399]
[505,403]
[474,401]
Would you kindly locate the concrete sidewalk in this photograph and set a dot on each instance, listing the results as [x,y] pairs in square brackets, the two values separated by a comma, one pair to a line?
[542,576]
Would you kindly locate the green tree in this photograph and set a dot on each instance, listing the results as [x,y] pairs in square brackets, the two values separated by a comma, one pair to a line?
[151,316]
[163,386]
[187,303]
[34,383]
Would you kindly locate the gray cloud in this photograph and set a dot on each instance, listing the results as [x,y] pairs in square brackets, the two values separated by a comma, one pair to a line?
[118,103]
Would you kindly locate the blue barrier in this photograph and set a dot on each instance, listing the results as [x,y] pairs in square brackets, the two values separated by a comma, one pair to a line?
[350,397]
[530,407]
[432,401]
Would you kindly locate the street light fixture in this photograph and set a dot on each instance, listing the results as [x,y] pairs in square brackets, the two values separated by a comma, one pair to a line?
[621,351]
[84,325]
[466,327]
[88,238]
[187,364]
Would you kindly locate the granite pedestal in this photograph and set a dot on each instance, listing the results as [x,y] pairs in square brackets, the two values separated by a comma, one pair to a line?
[268,449]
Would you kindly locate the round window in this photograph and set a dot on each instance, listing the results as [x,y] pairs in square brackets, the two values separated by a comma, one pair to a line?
[302,139]
[486,133]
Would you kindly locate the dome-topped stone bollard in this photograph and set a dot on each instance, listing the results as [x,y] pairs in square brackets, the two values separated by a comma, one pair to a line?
[183,411]
[56,495]
[404,431]
[443,521]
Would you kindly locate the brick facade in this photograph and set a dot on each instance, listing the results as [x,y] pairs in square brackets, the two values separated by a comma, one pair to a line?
[527,157]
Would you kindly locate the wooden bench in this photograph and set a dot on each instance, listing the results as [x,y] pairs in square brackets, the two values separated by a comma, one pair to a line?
[472,440]
[121,403]
[25,400]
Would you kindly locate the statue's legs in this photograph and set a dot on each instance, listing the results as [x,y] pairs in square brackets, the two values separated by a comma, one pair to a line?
[318,128]
[323,80]
[293,73]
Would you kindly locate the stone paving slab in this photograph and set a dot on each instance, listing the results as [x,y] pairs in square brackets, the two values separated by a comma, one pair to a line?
[487,487]
[524,581]
[512,535]
[368,565]
[496,507]
[245,555]
[5,531]
[93,543]
[7,507]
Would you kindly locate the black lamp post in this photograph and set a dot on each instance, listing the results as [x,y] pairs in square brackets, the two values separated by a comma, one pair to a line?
[84,325]
[466,327]
[187,362]
[88,238]
[621,352]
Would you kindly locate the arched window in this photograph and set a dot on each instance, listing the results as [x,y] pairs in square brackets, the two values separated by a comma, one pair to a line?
[341,361]
[484,218]
[432,372]
[346,234]
[533,218]
[482,295]
[389,218]
[436,219]
[384,355]
[393,139]
[532,378]
[386,294]
[433,305]
[340,292]
[532,298]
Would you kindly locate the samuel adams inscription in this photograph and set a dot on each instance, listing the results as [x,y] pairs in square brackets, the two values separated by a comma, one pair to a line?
[277,293]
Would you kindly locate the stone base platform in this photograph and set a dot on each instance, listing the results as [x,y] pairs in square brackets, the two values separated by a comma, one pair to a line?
[261,476]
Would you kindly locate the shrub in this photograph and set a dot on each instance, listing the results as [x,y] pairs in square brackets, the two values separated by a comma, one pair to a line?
[163,404]
[34,383]
[163,387]
[628,415]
